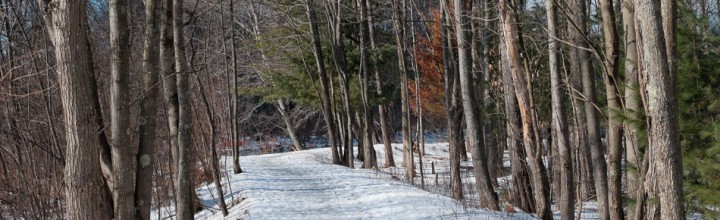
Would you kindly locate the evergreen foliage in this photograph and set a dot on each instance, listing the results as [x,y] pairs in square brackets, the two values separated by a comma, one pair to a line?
[699,105]
[293,74]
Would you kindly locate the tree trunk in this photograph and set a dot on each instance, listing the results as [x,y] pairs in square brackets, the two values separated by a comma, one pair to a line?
[399,21]
[123,189]
[522,191]
[289,127]
[325,94]
[184,195]
[367,123]
[420,134]
[614,137]
[488,197]
[494,151]
[452,106]
[632,107]
[566,197]
[334,13]
[167,55]
[234,108]
[146,146]
[579,59]
[452,65]
[599,166]
[214,159]
[337,115]
[664,153]
[520,78]
[599,169]
[669,20]
[66,23]
[382,108]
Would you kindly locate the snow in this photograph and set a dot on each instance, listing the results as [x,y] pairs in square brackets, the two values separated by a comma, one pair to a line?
[304,185]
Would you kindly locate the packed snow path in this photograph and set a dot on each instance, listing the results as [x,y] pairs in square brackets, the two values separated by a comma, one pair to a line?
[303,185]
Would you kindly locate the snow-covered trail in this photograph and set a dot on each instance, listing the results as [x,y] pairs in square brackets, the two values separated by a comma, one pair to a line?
[303,185]
[288,186]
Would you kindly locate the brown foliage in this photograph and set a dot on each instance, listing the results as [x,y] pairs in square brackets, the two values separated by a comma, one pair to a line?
[430,64]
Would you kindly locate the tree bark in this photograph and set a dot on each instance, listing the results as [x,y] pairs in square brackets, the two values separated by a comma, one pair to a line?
[420,134]
[289,127]
[67,25]
[146,146]
[494,151]
[234,108]
[382,108]
[520,78]
[632,107]
[367,123]
[566,197]
[599,166]
[579,60]
[452,106]
[488,197]
[214,159]
[614,136]
[665,164]
[522,191]
[452,65]
[123,189]
[338,51]
[399,21]
[167,55]
[325,94]
[184,195]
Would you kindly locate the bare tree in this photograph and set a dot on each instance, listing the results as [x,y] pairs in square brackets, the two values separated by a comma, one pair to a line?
[481,22]
[614,136]
[214,159]
[566,197]
[325,90]
[183,185]
[452,106]
[334,9]
[281,104]
[234,101]
[146,147]
[382,108]
[167,55]
[123,189]
[599,166]
[399,7]
[367,123]
[66,24]
[583,78]
[488,197]
[520,77]
[633,106]
[522,191]
[579,63]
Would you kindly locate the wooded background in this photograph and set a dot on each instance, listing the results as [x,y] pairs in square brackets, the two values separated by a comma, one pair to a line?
[113,108]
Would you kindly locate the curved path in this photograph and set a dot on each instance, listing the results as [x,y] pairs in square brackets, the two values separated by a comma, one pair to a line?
[303,185]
